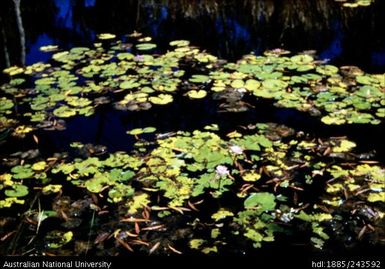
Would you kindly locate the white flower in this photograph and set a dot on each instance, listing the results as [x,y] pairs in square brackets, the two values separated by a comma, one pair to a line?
[222,170]
[236,149]
[139,58]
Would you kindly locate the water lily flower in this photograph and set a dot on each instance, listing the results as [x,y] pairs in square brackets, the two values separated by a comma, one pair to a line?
[222,170]
[236,149]
[139,58]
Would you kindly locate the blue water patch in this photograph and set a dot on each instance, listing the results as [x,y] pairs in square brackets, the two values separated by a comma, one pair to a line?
[34,54]
[155,22]
[64,14]
[335,48]
[378,58]
[89,3]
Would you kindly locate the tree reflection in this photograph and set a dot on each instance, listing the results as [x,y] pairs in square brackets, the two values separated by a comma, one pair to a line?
[227,28]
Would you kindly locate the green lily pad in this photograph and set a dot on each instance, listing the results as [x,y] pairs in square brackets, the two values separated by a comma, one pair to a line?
[328,70]
[333,120]
[222,214]
[51,188]
[22,172]
[139,131]
[138,202]
[302,59]
[130,84]
[5,104]
[252,85]
[179,43]
[376,197]
[344,146]
[57,239]
[64,112]
[17,191]
[39,166]
[146,46]
[274,84]
[251,176]
[263,200]
[199,78]
[106,36]
[161,99]
[193,94]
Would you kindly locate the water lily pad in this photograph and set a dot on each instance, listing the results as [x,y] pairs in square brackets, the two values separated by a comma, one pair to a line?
[64,112]
[222,214]
[238,83]
[138,131]
[22,172]
[376,197]
[302,59]
[274,84]
[161,99]
[129,84]
[327,70]
[13,70]
[39,166]
[51,188]
[5,104]
[138,202]
[252,84]
[263,200]
[180,43]
[17,191]
[105,36]
[146,46]
[333,120]
[193,94]
[199,78]
[57,239]
[251,176]
[344,146]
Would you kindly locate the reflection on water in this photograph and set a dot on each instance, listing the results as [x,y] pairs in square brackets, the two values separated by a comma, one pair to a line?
[228,28]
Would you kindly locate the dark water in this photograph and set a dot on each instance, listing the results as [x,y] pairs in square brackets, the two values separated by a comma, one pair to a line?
[227,28]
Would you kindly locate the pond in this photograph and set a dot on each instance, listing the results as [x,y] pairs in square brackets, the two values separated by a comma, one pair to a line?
[192,127]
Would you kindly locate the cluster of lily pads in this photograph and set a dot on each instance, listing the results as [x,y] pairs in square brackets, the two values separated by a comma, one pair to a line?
[252,174]
[356,3]
[135,77]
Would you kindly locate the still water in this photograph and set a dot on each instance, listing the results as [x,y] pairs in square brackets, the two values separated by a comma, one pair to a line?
[227,29]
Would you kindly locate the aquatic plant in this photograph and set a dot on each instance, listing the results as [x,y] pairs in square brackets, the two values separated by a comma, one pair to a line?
[174,177]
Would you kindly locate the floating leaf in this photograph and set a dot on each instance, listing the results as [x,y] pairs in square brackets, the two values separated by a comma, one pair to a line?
[5,104]
[146,46]
[251,176]
[264,200]
[39,166]
[161,99]
[51,188]
[180,43]
[64,112]
[199,78]
[196,243]
[22,172]
[345,146]
[57,239]
[17,191]
[193,94]
[376,197]
[222,214]
[138,202]
[105,36]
